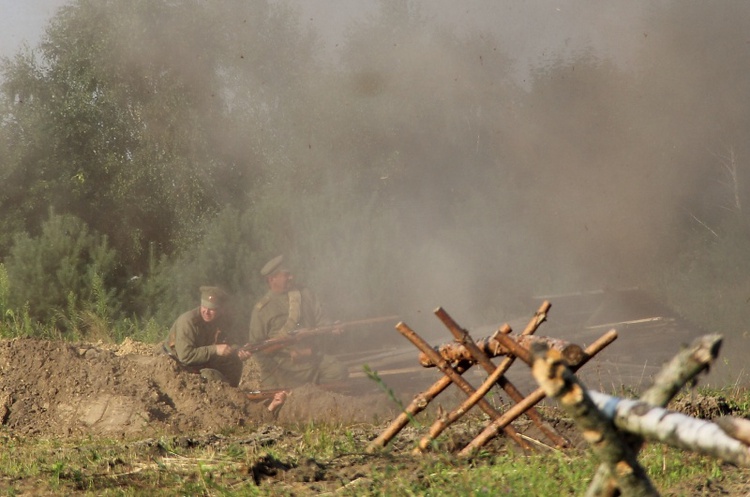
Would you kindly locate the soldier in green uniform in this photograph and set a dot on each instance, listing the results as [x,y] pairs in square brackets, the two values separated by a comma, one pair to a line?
[198,342]
[283,309]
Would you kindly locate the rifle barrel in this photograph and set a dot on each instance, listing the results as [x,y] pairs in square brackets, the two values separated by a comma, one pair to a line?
[302,332]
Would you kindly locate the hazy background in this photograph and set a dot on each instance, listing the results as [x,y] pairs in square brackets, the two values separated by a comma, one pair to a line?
[534,33]
[474,154]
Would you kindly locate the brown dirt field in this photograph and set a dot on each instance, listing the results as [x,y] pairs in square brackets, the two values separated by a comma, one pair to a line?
[129,392]
[50,388]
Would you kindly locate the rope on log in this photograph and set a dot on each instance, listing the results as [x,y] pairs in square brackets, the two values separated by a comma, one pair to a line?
[492,347]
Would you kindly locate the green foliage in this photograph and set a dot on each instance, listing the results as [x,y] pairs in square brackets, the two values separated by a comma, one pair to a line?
[669,467]
[100,122]
[4,288]
[146,331]
[202,140]
[63,271]
[227,464]
[20,324]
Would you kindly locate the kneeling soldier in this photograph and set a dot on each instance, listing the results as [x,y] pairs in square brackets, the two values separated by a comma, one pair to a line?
[197,342]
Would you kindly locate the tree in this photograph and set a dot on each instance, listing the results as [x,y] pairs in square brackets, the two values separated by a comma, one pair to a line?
[131,116]
[67,268]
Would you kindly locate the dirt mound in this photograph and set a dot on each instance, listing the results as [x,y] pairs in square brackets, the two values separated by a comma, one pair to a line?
[51,388]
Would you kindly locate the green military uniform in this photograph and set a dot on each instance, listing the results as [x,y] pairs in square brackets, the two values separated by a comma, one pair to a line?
[277,314]
[192,341]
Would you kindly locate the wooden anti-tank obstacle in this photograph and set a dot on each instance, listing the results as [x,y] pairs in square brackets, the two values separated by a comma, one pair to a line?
[454,359]
[616,428]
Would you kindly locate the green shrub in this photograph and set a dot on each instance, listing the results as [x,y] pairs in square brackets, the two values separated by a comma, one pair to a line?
[63,272]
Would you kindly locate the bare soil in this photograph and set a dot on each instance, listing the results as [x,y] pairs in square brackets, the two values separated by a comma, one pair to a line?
[131,392]
[50,388]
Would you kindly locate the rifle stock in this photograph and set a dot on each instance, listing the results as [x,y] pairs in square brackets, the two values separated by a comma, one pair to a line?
[264,394]
[274,344]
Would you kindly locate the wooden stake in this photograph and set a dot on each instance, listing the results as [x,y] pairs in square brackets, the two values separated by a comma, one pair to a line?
[532,399]
[419,404]
[464,385]
[496,377]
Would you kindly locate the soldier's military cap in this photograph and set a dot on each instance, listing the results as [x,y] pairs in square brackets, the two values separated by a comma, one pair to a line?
[212,297]
[273,265]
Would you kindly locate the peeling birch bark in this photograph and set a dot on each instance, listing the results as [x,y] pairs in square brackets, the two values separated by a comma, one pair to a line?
[737,428]
[679,371]
[558,381]
[672,428]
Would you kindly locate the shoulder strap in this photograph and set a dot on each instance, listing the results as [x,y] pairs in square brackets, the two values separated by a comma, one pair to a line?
[295,308]
[262,302]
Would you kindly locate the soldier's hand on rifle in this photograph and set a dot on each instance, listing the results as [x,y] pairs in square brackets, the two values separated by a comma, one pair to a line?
[299,352]
[244,355]
[223,349]
[278,399]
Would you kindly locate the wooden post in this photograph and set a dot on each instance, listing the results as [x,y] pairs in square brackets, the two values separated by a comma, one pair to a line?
[464,385]
[496,377]
[419,404]
[532,399]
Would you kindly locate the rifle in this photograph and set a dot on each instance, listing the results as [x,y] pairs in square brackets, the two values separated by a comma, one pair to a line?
[269,393]
[273,344]
[264,394]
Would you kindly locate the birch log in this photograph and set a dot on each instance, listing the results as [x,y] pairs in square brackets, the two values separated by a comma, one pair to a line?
[558,381]
[672,428]
[682,369]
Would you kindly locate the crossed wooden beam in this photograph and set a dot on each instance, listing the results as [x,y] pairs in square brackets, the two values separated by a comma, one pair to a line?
[616,428]
[453,360]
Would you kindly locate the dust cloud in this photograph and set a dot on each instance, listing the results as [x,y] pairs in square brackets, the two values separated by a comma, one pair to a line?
[506,149]
[563,147]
